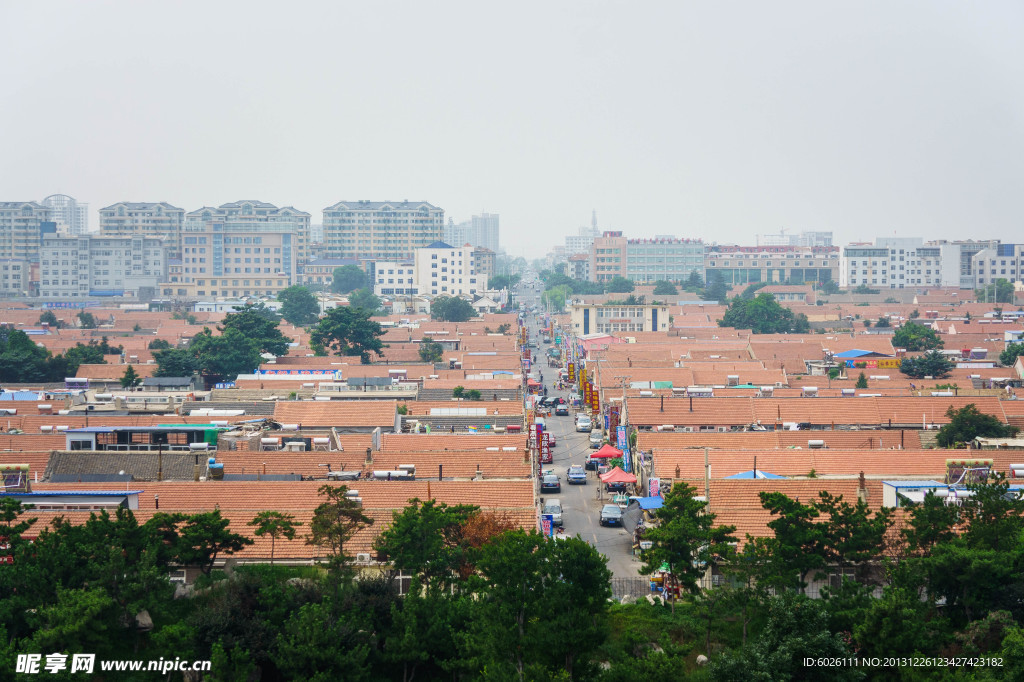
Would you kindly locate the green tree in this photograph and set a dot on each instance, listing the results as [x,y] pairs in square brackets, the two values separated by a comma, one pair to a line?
[298,305]
[796,629]
[503,281]
[451,309]
[86,320]
[260,325]
[364,298]
[205,536]
[431,351]
[12,525]
[225,356]
[914,314]
[159,344]
[1000,291]
[49,318]
[175,362]
[556,297]
[800,538]
[829,287]
[665,288]
[969,423]
[473,394]
[751,289]
[348,278]
[694,282]
[458,392]
[862,381]
[21,360]
[686,539]
[716,289]
[883,322]
[348,331]
[854,534]
[130,379]
[535,591]
[619,285]
[275,524]
[1009,355]
[504,329]
[916,337]
[932,364]
[928,523]
[322,643]
[762,315]
[334,523]
[427,539]
[82,354]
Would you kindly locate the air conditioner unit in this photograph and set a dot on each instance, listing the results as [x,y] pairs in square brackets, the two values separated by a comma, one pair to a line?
[723,429]
[362,558]
[686,429]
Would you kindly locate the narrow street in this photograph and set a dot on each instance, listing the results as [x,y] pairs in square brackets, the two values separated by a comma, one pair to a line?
[581,507]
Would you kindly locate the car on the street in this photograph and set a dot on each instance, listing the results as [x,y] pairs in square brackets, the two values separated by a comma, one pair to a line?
[550,484]
[551,439]
[553,507]
[596,438]
[583,423]
[562,411]
[577,475]
[591,464]
[611,515]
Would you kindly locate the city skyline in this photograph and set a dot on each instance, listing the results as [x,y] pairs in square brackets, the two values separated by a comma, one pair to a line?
[698,121]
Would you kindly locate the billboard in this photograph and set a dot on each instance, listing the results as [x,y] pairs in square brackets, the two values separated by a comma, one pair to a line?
[654,487]
[545,448]
[547,525]
[572,372]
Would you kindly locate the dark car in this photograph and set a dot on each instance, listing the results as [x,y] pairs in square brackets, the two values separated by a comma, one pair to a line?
[562,411]
[550,484]
[611,515]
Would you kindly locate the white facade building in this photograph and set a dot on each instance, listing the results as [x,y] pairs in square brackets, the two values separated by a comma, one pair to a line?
[147,219]
[445,270]
[22,224]
[394,278]
[86,266]
[1006,261]
[898,263]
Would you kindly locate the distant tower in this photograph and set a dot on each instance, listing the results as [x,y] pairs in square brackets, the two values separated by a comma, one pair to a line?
[71,217]
[593,220]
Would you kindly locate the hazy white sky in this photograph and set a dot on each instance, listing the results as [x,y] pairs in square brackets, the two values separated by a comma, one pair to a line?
[718,120]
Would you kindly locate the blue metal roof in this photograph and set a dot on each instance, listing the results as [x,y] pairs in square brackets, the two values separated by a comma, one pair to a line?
[852,354]
[650,502]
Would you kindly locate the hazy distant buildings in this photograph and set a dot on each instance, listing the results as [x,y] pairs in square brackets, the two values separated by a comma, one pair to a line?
[147,219]
[84,266]
[484,261]
[380,230]
[797,239]
[900,262]
[578,266]
[1005,261]
[14,277]
[608,256]
[644,260]
[394,278]
[22,224]
[480,230]
[71,216]
[583,239]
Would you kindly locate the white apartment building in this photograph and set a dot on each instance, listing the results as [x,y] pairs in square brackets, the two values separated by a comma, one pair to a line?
[71,216]
[86,266]
[380,230]
[21,229]
[249,216]
[445,270]
[1006,261]
[145,218]
[900,262]
[394,278]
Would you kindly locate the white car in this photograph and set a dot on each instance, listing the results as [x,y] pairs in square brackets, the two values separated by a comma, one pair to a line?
[583,424]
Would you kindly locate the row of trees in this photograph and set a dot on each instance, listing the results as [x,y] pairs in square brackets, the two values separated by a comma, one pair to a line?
[22,361]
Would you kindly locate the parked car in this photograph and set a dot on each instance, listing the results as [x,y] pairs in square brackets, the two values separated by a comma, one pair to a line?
[562,411]
[550,484]
[554,507]
[551,439]
[596,438]
[591,464]
[611,515]
[583,424]
[577,475]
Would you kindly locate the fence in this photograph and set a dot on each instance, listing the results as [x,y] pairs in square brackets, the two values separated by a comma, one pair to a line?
[633,587]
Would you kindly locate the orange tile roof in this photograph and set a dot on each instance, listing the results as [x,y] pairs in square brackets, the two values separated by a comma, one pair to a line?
[358,413]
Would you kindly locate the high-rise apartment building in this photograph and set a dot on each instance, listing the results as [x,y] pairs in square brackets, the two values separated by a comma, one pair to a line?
[1005,261]
[258,217]
[480,230]
[71,216]
[380,230]
[14,277]
[22,224]
[145,218]
[484,261]
[85,266]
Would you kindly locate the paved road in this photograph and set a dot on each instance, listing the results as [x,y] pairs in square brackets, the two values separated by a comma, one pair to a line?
[581,507]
